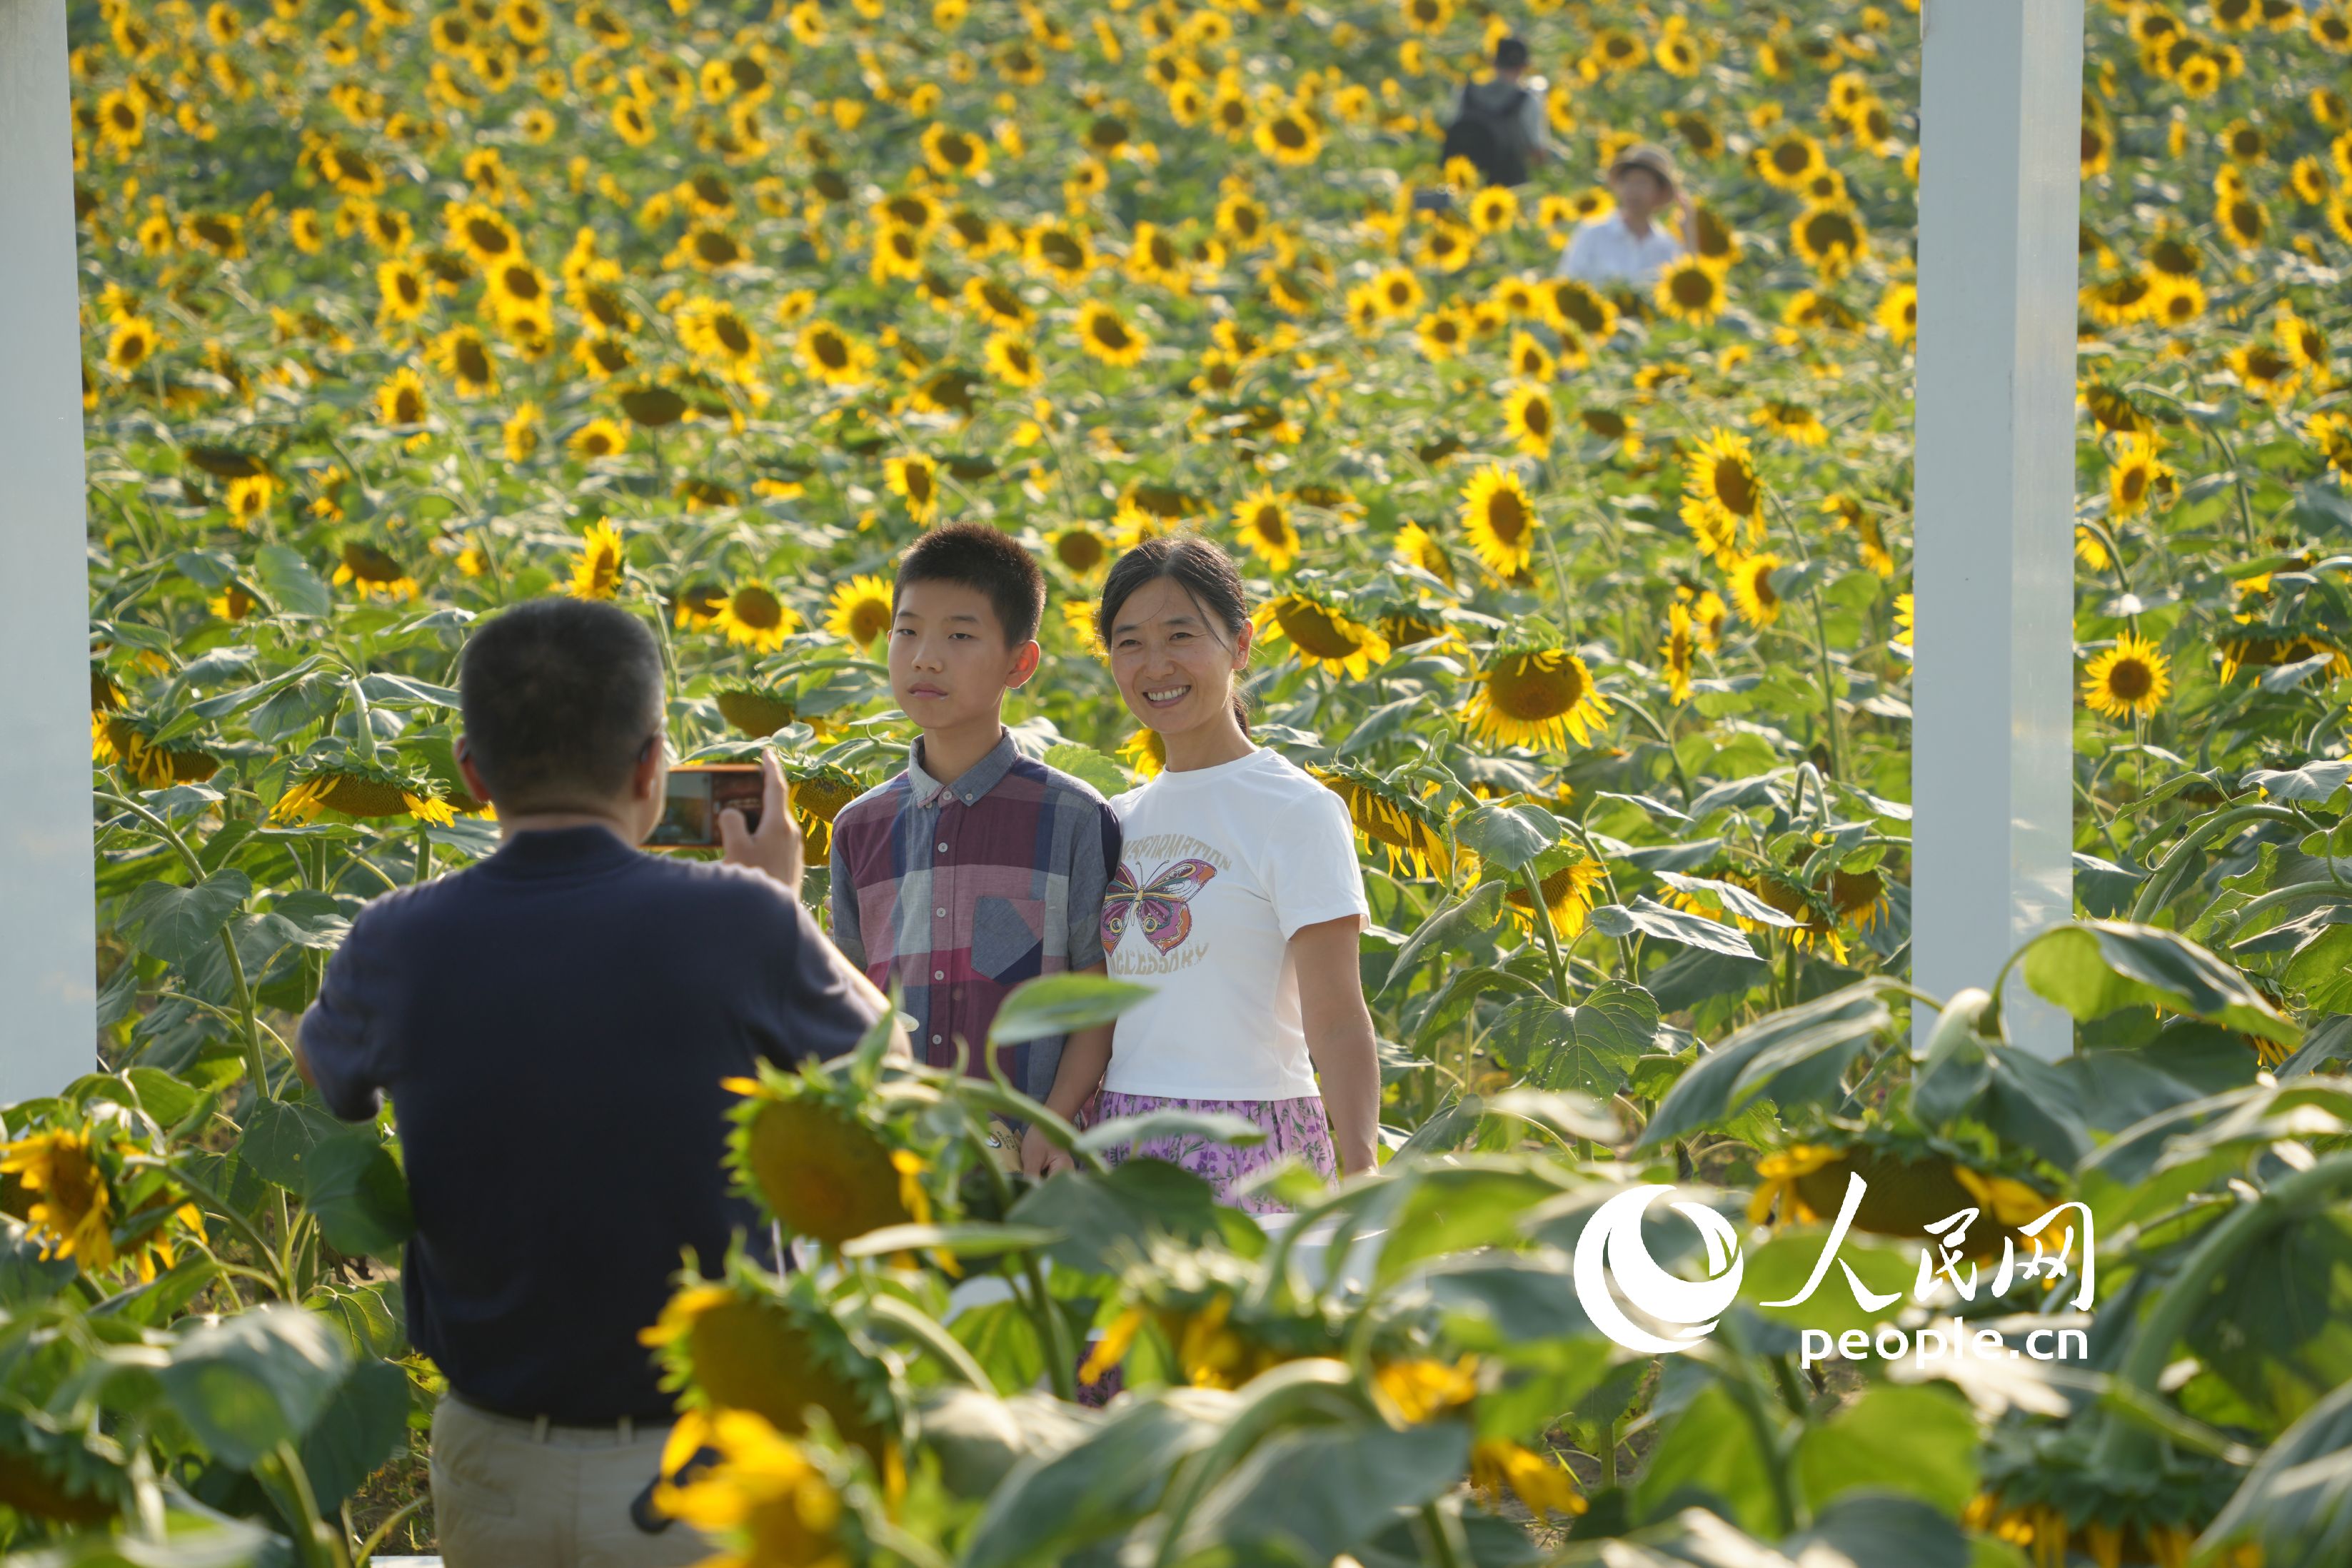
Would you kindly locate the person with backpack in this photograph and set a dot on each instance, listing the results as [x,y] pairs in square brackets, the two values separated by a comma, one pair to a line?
[1500,124]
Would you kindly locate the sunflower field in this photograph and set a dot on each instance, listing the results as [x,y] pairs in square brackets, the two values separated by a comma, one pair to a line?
[1592,605]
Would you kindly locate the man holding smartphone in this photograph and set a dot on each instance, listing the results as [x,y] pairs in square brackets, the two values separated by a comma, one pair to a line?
[604,993]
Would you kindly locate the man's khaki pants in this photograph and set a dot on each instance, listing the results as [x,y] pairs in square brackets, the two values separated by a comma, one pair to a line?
[523,1494]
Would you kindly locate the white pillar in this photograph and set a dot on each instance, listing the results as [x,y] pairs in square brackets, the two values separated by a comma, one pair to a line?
[2001,117]
[47,919]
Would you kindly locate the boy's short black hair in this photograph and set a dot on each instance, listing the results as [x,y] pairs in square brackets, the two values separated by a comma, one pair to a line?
[1510,54]
[559,697]
[988,559]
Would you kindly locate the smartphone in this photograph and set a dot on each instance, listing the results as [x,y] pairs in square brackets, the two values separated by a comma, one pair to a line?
[698,794]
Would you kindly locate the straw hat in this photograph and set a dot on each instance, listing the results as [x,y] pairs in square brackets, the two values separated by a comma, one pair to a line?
[1650,156]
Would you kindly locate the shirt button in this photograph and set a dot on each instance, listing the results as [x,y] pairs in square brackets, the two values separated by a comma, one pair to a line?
[935,1039]
[943,848]
[939,975]
[969,799]
[941,913]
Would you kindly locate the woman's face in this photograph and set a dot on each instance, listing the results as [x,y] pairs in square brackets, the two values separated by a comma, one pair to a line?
[1174,665]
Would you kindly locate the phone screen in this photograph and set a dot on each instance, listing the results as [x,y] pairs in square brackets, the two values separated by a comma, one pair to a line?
[689,818]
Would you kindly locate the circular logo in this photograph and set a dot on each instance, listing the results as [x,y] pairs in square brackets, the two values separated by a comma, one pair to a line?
[1611,1254]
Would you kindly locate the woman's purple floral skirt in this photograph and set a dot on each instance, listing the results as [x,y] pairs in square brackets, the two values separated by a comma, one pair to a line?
[1294,1128]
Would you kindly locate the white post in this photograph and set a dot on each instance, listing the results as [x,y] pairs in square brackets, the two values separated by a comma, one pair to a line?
[48,919]
[2000,127]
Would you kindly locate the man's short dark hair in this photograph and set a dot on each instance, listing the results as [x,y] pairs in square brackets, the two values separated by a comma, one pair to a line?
[559,697]
[983,558]
[1511,55]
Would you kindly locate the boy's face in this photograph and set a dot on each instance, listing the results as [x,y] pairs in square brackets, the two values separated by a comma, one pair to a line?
[948,661]
[1638,191]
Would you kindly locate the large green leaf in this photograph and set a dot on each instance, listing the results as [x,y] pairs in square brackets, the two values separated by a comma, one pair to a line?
[1054,1503]
[1476,912]
[2093,968]
[1711,1456]
[282,1135]
[1590,1047]
[1508,837]
[1895,1437]
[1881,1528]
[1058,1003]
[174,923]
[357,1192]
[1453,1207]
[1310,1495]
[1105,1221]
[1002,1337]
[255,1380]
[2297,1499]
[365,1423]
[1804,1047]
[1647,917]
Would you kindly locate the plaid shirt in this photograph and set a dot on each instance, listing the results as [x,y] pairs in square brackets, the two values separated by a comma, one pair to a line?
[959,891]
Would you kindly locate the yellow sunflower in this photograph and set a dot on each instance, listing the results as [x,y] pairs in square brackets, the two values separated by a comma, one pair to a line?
[1500,520]
[1323,635]
[71,1214]
[2131,678]
[914,479]
[833,355]
[753,617]
[1265,526]
[1831,237]
[1690,291]
[1535,697]
[860,610]
[1721,491]
[601,438]
[597,573]
[1418,546]
[2137,475]
[1752,590]
[1677,650]
[1530,419]
[1105,334]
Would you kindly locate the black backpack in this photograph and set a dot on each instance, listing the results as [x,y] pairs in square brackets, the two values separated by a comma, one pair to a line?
[1490,138]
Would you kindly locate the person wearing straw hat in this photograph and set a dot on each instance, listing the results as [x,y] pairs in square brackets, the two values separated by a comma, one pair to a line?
[1626,246]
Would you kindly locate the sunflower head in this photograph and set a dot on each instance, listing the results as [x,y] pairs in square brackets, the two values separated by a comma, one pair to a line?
[2130,679]
[1499,520]
[1322,632]
[747,1344]
[1538,696]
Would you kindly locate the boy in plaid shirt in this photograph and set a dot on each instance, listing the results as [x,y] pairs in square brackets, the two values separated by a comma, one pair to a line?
[978,867]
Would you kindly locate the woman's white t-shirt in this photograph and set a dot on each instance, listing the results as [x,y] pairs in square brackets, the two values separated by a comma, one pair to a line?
[1221,867]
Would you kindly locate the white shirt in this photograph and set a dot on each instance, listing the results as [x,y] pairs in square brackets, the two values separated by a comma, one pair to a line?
[1221,867]
[1606,251]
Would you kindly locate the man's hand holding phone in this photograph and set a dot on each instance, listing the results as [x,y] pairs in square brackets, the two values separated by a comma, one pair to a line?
[774,846]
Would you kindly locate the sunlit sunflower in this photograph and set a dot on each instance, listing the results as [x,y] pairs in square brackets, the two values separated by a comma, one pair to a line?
[1831,238]
[1530,419]
[1105,334]
[1290,136]
[1898,311]
[1410,832]
[1791,421]
[1263,524]
[352,787]
[1494,210]
[1790,160]
[1690,291]
[601,438]
[833,355]
[2136,476]
[2131,678]
[1676,651]
[372,571]
[1146,751]
[1571,302]
[596,572]
[1530,361]
[400,402]
[71,1214]
[1323,635]
[914,479]
[1535,697]
[1752,590]
[1442,332]
[1419,547]
[1568,897]
[1544,1485]
[461,355]
[1499,520]
[1721,491]
[753,617]
[859,610]
[1399,292]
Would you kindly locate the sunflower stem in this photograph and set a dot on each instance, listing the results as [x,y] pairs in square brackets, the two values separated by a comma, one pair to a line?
[1550,938]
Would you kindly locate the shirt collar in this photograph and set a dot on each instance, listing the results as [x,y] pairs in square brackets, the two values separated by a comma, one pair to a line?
[977,780]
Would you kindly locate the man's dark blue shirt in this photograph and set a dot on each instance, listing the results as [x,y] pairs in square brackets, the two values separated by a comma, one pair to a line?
[552,1025]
